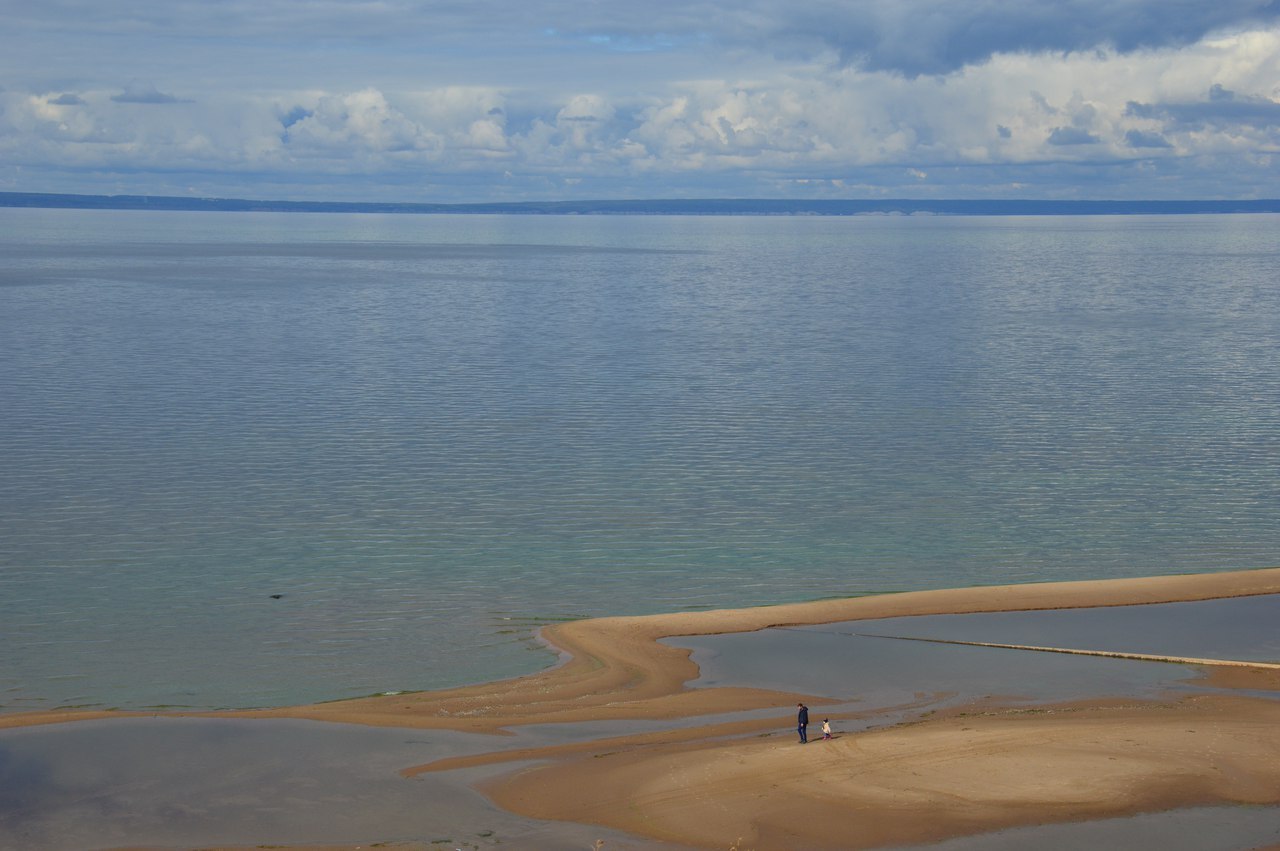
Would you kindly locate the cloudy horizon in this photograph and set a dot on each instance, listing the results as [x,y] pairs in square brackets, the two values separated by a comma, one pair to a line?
[393,100]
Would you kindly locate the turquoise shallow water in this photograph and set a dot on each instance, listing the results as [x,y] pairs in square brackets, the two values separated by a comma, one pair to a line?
[428,435]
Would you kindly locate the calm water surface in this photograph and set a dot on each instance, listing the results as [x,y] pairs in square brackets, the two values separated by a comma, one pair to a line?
[429,434]
[853,660]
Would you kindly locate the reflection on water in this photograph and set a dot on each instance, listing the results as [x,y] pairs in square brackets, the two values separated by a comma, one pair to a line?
[260,459]
[186,781]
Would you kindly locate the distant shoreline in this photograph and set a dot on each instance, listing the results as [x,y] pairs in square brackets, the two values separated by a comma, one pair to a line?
[654,207]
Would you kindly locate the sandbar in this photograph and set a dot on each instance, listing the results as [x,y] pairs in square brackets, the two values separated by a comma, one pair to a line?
[958,772]
[615,667]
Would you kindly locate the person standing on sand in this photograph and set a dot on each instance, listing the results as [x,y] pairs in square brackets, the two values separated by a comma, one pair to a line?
[826,728]
[802,723]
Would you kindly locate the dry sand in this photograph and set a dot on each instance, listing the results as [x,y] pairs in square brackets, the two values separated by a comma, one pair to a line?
[966,774]
[715,785]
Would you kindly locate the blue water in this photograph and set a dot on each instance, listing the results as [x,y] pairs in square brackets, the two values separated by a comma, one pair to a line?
[429,434]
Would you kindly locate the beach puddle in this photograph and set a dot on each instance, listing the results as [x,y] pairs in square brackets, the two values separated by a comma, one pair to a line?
[868,662]
[1242,628]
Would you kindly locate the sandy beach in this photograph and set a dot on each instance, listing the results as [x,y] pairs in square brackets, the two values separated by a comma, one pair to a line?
[742,783]
[975,772]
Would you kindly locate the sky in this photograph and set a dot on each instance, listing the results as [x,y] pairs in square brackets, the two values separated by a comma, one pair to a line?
[511,100]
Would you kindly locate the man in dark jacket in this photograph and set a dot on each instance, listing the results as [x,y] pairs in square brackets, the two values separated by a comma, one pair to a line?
[802,723]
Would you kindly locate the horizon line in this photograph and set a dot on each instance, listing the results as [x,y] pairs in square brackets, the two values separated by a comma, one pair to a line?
[653,206]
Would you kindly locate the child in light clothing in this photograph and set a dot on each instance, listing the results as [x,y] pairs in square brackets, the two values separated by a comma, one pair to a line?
[826,728]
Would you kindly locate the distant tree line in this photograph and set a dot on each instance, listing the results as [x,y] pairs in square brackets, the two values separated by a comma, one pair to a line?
[667,207]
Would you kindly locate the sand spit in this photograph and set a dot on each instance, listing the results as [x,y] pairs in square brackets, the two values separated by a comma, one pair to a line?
[616,668]
[950,774]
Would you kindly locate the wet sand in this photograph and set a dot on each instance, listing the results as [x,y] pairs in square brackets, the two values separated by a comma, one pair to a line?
[960,771]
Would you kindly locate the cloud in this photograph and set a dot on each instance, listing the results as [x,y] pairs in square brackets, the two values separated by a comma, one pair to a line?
[911,37]
[1142,139]
[1221,108]
[937,37]
[358,123]
[549,98]
[1072,136]
[146,93]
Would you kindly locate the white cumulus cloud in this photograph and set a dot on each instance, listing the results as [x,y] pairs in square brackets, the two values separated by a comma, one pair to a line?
[548,98]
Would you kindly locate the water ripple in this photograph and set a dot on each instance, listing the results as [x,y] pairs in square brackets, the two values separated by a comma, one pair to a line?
[259,459]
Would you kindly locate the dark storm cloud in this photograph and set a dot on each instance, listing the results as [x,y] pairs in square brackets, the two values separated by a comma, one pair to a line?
[916,37]
[929,37]
[912,37]
[1221,108]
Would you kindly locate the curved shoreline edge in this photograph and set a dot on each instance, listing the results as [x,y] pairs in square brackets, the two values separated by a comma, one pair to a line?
[618,669]
[914,776]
